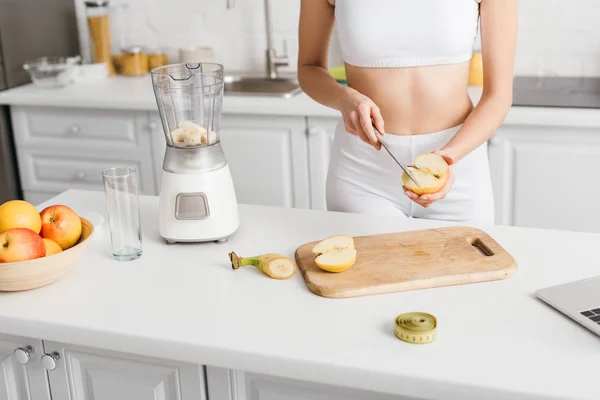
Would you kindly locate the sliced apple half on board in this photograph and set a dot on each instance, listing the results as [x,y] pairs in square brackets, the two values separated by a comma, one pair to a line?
[430,171]
[335,254]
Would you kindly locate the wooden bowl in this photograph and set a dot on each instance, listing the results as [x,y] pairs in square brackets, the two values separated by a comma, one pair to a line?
[32,274]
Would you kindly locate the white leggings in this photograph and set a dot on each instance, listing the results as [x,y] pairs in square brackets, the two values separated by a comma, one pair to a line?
[361,179]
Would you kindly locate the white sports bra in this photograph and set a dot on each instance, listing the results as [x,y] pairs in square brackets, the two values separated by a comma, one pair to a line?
[404,33]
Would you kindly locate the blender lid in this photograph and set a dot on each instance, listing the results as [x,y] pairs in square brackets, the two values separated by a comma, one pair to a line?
[96,3]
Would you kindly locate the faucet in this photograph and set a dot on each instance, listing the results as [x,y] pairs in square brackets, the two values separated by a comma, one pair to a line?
[273,60]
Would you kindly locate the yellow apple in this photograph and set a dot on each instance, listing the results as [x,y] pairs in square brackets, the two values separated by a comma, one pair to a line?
[20,244]
[430,171]
[335,254]
[337,260]
[61,224]
[19,214]
[51,247]
[333,243]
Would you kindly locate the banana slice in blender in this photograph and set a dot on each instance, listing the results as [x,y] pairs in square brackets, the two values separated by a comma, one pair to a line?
[193,139]
[178,135]
[190,127]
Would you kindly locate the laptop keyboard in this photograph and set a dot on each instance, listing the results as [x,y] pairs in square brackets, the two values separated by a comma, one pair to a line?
[593,314]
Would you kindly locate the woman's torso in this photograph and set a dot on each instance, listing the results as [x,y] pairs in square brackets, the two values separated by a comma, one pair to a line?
[411,57]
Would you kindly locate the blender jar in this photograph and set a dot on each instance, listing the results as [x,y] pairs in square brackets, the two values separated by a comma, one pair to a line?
[190,99]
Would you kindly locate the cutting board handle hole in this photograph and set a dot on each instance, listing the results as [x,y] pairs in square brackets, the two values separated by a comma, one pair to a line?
[482,248]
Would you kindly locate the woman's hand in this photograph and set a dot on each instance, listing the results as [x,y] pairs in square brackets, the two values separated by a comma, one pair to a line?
[427,200]
[359,113]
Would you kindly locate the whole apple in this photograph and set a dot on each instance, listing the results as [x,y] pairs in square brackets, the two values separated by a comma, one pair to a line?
[61,224]
[20,244]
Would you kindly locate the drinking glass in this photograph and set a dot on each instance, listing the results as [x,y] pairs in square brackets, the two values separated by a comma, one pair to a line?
[121,189]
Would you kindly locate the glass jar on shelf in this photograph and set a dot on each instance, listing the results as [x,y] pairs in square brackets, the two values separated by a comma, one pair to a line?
[98,19]
[134,61]
[156,58]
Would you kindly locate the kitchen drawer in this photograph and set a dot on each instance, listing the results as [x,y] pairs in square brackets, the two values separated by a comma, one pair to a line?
[56,172]
[73,128]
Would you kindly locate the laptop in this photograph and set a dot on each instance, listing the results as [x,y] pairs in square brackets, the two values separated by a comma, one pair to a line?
[579,300]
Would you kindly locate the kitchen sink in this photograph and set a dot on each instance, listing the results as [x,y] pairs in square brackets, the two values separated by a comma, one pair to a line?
[261,86]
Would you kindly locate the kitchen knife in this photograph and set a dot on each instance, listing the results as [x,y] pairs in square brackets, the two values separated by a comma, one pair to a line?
[385,146]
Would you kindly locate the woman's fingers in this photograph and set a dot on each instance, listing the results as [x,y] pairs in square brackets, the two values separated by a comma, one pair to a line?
[427,200]
[349,126]
[366,123]
[355,119]
[377,118]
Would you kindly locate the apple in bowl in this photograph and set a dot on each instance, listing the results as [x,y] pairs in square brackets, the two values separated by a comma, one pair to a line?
[61,224]
[430,170]
[20,244]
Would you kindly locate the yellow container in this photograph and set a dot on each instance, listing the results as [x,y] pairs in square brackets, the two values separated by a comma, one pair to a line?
[99,27]
[476,70]
[134,62]
[156,59]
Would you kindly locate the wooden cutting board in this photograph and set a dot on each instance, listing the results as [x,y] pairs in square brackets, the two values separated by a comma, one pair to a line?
[412,260]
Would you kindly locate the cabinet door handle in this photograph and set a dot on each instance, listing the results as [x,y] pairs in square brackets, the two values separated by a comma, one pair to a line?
[81,175]
[152,126]
[313,131]
[74,130]
[24,354]
[494,141]
[50,360]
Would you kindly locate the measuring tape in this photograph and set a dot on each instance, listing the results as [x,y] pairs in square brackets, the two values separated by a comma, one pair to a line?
[416,327]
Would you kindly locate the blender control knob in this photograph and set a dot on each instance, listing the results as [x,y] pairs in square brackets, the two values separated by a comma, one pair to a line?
[24,354]
[50,360]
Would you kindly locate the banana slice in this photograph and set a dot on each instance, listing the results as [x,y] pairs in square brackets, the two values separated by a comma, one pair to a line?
[178,135]
[193,139]
[190,127]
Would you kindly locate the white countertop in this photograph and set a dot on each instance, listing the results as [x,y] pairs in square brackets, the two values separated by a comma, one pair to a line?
[135,93]
[184,302]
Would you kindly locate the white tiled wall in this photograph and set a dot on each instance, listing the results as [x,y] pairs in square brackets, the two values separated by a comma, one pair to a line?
[556,37]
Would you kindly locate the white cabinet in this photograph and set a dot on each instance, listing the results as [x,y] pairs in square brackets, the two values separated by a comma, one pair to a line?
[62,148]
[268,159]
[267,156]
[224,384]
[22,381]
[540,171]
[320,140]
[80,373]
[544,176]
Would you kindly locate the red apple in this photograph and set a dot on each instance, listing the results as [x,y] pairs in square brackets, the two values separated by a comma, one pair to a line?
[60,224]
[20,244]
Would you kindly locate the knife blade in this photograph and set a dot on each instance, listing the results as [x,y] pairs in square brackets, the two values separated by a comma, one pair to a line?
[385,146]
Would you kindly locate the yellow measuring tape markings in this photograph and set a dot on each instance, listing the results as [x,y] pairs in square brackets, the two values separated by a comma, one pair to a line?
[416,327]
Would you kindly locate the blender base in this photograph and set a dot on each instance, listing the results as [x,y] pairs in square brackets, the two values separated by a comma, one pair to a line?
[214,190]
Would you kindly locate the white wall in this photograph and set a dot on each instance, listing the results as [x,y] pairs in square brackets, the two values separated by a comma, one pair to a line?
[556,37]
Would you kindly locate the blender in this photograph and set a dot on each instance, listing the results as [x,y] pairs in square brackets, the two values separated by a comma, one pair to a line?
[197,201]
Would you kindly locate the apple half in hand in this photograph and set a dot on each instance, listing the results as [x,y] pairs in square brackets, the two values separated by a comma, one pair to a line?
[430,171]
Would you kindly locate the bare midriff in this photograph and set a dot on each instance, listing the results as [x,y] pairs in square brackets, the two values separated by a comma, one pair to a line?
[416,100]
